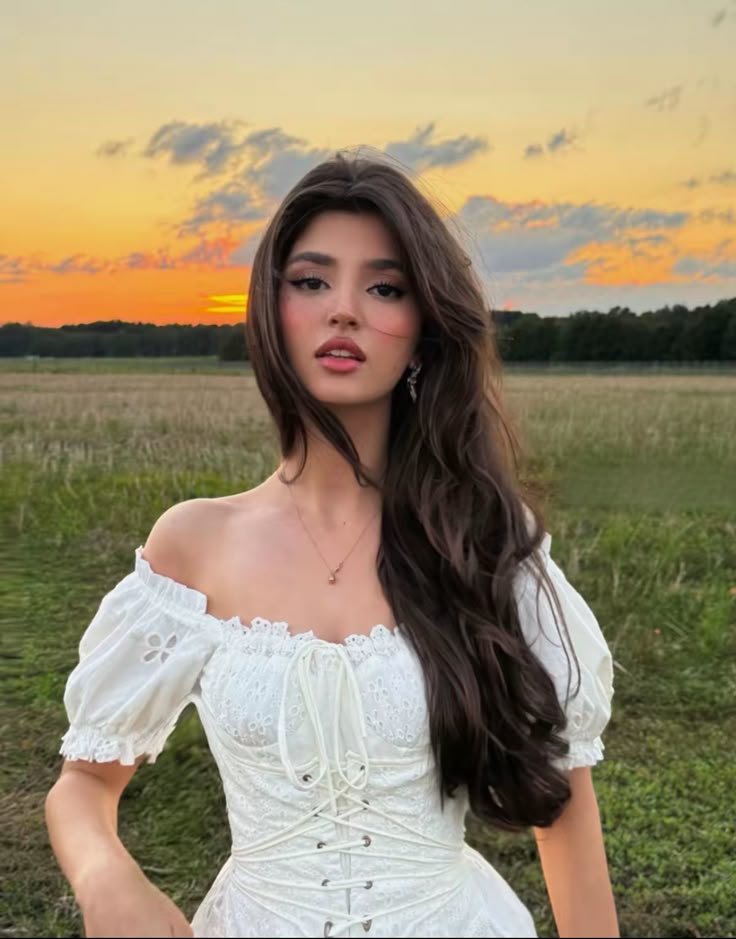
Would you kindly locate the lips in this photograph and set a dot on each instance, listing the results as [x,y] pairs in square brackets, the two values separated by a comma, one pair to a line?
[341,343]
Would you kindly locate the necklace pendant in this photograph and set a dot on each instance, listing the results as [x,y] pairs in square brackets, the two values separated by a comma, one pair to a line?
[332,579]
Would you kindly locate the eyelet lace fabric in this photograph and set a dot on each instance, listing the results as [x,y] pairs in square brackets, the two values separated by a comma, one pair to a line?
[324,754]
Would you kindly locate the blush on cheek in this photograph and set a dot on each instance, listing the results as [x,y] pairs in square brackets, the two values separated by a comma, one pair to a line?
[291,319]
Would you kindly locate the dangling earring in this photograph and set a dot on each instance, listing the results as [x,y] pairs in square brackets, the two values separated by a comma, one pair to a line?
[412,380]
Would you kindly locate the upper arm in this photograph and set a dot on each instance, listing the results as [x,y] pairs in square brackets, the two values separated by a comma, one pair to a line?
[114,775]
[580,819]
[140,659]
[575,867]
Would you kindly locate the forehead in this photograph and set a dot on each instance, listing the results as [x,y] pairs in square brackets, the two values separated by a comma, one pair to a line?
[348,235]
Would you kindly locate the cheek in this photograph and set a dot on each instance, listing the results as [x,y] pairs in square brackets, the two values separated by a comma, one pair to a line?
[294,320]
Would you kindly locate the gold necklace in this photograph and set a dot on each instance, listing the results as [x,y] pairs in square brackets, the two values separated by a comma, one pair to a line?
[332,579]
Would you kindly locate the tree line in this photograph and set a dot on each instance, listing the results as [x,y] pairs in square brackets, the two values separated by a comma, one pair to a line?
[670,334]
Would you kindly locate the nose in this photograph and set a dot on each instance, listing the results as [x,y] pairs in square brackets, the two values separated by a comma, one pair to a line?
[342,315]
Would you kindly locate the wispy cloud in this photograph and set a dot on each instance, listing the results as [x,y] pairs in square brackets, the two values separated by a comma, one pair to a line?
[559,141]
[115,148]
[703,130]
[77,264]
[420,152]
[208,253]
[13,270]
[724,178]
[667,100]
[718,17]
[725,216]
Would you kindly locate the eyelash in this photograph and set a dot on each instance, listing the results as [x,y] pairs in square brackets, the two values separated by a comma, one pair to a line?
[399,293]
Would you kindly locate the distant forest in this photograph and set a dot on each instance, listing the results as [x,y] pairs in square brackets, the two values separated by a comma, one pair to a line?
[671,334]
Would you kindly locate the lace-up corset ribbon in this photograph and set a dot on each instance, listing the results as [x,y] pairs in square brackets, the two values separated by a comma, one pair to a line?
[380,855]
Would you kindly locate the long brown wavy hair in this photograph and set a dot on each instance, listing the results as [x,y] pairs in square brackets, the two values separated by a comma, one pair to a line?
[457,521]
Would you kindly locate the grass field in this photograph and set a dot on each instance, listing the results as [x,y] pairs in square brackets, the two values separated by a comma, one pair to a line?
[641,472]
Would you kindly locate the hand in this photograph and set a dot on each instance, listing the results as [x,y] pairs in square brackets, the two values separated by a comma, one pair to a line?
[120,901]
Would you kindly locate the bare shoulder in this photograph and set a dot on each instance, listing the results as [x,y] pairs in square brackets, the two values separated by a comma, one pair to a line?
[178,532]
[191,534]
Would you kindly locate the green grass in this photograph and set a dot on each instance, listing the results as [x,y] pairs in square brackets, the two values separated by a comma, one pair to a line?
[640,471]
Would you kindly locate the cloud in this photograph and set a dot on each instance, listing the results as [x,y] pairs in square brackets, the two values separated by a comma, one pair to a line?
[114,148]
[245,253]
[705,269]
[667,100]
[719,263]
[724,178]
[725,216]
[703,129]
[558,141]
[210,253]
[561,140]
[13,270]
[538,251]
[212,146]
[233,203]
[533,235]
[278,166]
[146,261]
[533,150]
[420,152]
[77,264]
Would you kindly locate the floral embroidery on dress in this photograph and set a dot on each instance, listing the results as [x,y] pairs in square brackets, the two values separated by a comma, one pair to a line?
[158,649]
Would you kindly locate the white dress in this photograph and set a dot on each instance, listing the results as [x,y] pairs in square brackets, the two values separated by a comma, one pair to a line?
[323,750]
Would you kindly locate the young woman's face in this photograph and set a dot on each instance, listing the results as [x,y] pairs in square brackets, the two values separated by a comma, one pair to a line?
[348,286]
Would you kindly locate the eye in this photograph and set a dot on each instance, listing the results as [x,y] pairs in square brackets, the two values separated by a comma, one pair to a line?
[398,292]
[307,280]
[312,284]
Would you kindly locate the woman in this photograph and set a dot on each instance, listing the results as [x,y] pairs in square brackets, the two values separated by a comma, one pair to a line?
[376,637]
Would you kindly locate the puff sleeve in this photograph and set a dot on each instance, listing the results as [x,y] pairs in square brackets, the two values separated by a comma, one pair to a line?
[140,659]
[588,707]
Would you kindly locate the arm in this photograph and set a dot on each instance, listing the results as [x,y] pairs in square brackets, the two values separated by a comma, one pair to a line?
[574,864]
[118,706]
[82,819]
[113,893]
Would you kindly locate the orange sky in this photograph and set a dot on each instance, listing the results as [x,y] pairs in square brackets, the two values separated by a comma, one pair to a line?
[585,152]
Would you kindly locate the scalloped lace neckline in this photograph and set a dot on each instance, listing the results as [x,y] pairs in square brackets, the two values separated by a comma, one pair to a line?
[259,627]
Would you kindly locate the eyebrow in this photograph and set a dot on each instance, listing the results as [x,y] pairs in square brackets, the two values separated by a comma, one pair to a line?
[326,260]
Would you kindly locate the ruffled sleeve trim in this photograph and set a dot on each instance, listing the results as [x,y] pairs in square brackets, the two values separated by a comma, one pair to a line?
[582,753]
[100,746]
[167,591]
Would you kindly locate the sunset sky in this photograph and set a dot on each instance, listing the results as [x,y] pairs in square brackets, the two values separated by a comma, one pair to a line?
[585,151]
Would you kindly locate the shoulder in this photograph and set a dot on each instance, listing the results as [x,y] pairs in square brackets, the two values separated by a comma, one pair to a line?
[180,533]
[193,534]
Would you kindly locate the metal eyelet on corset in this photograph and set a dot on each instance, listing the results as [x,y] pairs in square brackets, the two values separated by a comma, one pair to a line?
[366,840]
[306,777]
[366,924]
[368,884]
[321,844]
[328,926]
[365,802]
[325,882]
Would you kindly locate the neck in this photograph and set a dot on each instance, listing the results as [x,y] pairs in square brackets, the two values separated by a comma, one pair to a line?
[327,491]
